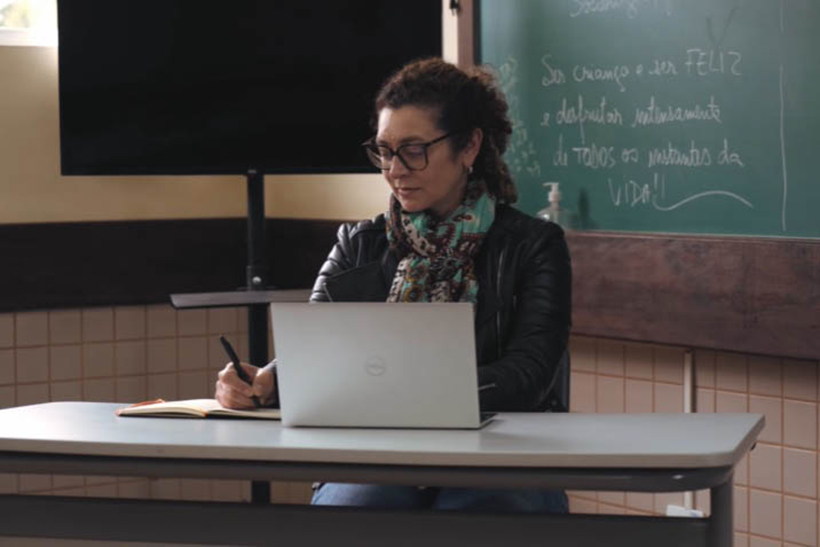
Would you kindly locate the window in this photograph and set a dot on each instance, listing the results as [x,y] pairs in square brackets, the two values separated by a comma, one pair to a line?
[28,22]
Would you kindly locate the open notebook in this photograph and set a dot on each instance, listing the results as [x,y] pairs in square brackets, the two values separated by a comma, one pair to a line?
[195,408]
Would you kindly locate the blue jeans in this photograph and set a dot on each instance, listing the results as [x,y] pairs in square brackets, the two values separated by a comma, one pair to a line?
[465,499]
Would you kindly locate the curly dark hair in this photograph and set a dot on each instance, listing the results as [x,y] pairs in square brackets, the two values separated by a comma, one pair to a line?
[465,99]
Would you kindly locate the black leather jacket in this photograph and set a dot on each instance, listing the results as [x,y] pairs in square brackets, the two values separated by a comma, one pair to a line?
[522,317]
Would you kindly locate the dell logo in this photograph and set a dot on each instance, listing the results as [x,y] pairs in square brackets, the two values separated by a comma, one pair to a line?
[375,366]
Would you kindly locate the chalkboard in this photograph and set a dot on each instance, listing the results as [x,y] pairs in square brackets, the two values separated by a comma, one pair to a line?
[682,116]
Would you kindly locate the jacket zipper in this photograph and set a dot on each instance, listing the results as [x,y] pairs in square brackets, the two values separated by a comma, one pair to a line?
[498,313]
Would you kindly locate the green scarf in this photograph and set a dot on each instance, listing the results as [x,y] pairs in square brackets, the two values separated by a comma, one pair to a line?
[439,253]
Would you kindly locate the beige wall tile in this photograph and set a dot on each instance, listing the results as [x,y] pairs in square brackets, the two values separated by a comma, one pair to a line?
[67,481]
[67,391]
[65,326]
[162,321]
[7,368]
[6,330]
[731,371]
[741,508]
[703,502]
[800,380]
[612,498]
[610,394]
[217,358]
[610,358]
[772,409]
[32,394]
[195,489]
[99,390]
[639,361]
[132,389]
[165,489]
[765,510]
[65,362]
[223,320]
[580,506]
[662,500]
[800,520]
[705,368]
[757,541]
[668,398]
[582,353]
[192,322]
[800,424]
[726,401]
[606,509]
[162,386]
[130,322]
[582,392]
[134,489]
[223,490]
[741,475]
[642,501]
[8,483]
[98,360]
[243,320]
[766,467]
[193,353]
[34,483]
[704,400]
[741,540]
[638,396]
[193,385]
[98,324]
[31,364]
[669,364]
[31,329]
[130,357]
[8,396]
[162,355]
[800,472]
[765,375]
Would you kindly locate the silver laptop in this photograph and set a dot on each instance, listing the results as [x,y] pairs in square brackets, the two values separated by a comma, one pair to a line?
[376,365]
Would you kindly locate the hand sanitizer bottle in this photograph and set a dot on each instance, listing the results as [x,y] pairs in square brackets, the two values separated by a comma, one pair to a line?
[553,211]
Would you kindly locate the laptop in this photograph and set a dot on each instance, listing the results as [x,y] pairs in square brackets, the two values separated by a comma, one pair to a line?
[375,364]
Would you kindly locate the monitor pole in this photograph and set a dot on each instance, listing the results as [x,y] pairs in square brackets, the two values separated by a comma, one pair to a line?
[257,280]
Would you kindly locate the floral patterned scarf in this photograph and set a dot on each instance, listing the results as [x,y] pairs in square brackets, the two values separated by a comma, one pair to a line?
[438,254]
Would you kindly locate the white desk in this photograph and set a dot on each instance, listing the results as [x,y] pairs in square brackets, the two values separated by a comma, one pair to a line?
[641,452]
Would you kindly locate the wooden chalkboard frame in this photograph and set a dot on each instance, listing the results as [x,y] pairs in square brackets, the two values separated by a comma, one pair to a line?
[745,294]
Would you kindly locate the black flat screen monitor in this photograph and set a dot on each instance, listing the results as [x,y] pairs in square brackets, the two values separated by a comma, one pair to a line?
[207,87]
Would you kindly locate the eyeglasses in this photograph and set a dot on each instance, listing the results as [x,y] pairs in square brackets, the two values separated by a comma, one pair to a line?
[412,155]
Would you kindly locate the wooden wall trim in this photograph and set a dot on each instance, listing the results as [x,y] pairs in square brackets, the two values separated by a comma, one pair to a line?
[759,296]
[466,33]
[68,265]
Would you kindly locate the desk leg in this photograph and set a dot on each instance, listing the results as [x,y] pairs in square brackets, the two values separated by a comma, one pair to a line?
[721,529]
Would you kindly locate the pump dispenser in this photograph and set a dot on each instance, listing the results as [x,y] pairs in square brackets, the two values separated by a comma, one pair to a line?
[553,211]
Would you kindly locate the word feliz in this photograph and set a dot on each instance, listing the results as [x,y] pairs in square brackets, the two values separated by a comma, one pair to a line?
[697,63]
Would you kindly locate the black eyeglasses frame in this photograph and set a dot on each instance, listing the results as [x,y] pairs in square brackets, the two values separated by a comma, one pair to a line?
[371,147]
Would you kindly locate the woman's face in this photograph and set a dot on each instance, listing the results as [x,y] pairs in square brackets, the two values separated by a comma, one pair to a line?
[440,186]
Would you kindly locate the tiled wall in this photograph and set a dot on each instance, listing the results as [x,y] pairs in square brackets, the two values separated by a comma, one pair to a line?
[776,486]
[124,354]
[130,354]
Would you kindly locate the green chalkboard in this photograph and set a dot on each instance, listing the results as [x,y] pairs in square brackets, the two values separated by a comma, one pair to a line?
[683,116]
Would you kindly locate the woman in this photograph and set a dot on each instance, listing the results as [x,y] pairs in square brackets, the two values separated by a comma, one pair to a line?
[450,235]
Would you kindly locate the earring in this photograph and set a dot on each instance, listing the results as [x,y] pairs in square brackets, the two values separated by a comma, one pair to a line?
[469,169]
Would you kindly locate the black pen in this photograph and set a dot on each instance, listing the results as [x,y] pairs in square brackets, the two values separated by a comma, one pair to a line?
[238,368]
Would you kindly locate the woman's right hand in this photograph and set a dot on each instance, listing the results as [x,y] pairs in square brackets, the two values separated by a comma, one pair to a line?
[232,392]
